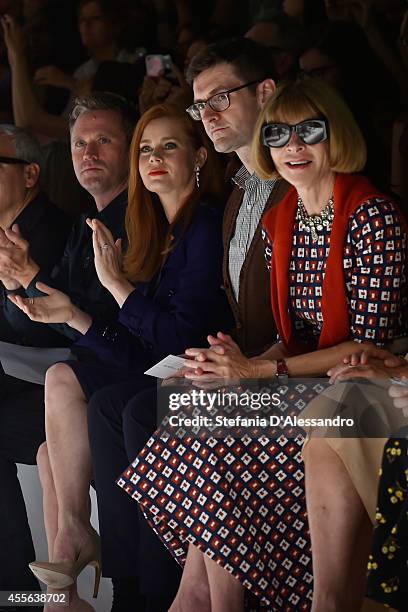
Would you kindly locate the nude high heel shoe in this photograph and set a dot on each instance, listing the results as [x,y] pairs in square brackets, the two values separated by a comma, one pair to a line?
[65,573]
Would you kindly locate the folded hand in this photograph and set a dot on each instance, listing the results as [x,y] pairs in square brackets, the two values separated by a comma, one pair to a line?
[370,362]
[223,359]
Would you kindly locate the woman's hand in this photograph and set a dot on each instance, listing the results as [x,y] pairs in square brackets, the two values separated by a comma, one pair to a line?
[54,307]
[108,254]
[108,261]
[223,359]
[399,393]
[370,362]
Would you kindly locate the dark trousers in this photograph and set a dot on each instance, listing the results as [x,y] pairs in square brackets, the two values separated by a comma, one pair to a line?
[121,418]
[21,433]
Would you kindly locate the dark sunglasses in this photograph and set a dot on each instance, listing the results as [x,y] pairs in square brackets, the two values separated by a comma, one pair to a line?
[310,131]
[12,160]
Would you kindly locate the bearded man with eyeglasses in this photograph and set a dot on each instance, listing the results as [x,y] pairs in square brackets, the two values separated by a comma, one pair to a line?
[232,80]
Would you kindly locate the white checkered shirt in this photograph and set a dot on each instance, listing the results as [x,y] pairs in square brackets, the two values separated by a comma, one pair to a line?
[249,215]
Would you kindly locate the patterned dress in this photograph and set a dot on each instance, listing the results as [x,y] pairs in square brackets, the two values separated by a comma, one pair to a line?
[242,501]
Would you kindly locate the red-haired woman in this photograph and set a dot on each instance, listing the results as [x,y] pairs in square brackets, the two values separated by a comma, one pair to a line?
[169,289]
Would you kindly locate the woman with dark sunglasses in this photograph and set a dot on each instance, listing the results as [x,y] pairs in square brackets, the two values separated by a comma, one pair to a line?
[336,250]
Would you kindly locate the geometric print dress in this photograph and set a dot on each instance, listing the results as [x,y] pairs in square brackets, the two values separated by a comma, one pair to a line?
[242,500]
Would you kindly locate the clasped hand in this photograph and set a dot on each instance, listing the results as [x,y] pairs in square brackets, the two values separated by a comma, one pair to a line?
[223,359]
[375,363]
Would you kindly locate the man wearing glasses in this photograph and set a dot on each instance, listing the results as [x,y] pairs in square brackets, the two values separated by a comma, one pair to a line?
[232,80]
[41,223]
[26,209]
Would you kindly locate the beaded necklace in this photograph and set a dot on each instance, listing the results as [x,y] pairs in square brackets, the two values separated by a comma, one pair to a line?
[315,223]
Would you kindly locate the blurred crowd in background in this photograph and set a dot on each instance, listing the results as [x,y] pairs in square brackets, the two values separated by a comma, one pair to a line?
[53,50]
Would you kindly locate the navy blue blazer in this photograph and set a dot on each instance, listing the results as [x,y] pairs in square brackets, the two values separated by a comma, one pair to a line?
[177,309]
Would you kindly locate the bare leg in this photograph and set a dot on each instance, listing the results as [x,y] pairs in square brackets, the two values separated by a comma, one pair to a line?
[340,530]
[194,592]
[50,504]
[70,460]
[226,592]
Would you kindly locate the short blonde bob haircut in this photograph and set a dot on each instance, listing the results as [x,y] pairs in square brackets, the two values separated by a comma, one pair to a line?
[307,98]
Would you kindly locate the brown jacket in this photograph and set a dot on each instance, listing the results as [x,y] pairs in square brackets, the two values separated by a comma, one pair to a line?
[255,328]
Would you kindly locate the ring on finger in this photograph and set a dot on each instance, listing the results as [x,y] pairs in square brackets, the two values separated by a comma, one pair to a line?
[105,245]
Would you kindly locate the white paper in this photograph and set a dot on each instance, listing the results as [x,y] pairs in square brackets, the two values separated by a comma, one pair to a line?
[30,363]
[166,367]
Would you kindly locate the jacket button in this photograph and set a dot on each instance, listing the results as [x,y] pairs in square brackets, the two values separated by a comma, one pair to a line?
[239,325]
[171,293]
[109,334]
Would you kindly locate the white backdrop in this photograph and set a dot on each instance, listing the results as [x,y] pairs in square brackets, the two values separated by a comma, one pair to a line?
[31,487]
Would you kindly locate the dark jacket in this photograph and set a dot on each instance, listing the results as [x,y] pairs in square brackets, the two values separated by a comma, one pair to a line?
[178,308]
[76,276]
[255,329]
[46,228]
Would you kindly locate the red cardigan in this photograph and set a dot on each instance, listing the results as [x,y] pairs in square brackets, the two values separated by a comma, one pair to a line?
[350,191]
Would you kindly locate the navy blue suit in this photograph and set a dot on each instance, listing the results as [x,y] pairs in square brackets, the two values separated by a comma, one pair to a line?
[176,310]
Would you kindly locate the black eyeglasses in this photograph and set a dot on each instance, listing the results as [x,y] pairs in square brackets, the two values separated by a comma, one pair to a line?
[12,160]
[218,102]
[310,131]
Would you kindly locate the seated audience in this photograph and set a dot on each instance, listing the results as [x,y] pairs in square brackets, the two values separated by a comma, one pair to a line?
[232,81]
[99,22]
[26,210]
[284,36]
[341,56]
[169,295]
[101,131]
[114,435]
[307,134]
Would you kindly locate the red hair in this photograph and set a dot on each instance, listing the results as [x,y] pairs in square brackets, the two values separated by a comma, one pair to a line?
[149,234]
